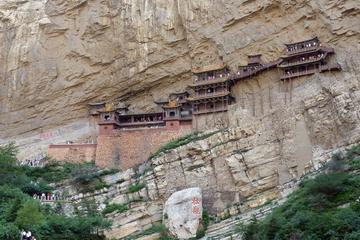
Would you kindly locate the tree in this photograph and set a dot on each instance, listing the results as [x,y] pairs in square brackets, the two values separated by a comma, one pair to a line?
[7,157]
[29,216]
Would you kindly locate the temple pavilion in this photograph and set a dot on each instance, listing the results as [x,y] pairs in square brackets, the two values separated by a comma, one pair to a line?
[177,106]
[120,117]
[306,58]
[211,89]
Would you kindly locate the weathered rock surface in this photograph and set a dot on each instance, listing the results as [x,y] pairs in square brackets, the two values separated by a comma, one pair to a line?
[56,56]
[183,212]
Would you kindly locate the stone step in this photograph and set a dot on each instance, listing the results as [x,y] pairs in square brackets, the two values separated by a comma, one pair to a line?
[227,228]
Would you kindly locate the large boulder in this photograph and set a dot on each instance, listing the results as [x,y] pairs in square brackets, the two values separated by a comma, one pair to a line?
[183,212]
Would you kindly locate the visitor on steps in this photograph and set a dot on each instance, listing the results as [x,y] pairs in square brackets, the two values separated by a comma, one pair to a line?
[28,235]
[23,235]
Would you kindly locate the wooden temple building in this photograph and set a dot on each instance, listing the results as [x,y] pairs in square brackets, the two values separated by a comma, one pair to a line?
[126,139]
[211,90]
[306,58]
[176,107]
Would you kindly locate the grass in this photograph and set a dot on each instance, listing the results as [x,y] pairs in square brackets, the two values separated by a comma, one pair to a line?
[325,207]
[119,208]
[204,225]
[136,187]
[55,172]
[156,228]
[193,137]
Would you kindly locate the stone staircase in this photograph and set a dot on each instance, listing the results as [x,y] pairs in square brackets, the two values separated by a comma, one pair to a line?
[226,230]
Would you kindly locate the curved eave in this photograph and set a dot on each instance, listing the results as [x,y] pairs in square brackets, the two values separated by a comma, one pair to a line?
[305,41]
[96,104]
[301,63]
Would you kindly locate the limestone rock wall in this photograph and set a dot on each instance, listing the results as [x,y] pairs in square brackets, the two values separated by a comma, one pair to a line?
[56,56]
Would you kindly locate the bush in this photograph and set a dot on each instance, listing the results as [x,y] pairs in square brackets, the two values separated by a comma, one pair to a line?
[19,211]
[119,208]
[205,223]
[317,210]
[157,228]
[29,216]
[9,231]
[7,156]
[136,187]
[193,137]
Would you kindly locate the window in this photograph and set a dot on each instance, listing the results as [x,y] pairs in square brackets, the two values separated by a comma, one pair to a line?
[172,114]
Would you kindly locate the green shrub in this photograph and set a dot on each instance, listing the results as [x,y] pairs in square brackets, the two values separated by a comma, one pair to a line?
[205,223]
[9,231]
[136,187]
[119,208]
[193,137]
[156,228]
[18,210]
[29,215]
[317,210]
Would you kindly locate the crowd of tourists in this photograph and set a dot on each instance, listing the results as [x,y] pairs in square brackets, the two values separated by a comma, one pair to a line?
[301,46]
[32,163]
[47,196]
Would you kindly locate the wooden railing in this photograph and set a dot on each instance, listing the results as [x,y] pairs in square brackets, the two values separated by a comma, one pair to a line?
[301,50]
[321,68]
[241,74]
[210,110]
[210,81]
[300,62]
[211,95]
[144,123]
[50,198]
[299,74]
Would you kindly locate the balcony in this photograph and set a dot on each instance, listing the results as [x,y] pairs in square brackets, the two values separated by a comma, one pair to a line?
[140,124]
[302,62]
[210,110]
[210,81]
[210,95]
[299,74]
[302,50]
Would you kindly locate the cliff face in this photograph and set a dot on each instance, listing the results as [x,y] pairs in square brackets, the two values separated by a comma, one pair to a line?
[56,56]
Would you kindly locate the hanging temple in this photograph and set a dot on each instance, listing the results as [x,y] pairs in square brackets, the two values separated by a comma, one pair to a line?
[127,139]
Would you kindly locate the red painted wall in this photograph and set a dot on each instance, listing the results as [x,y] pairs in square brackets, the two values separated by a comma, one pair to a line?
[73,153]
[126,148]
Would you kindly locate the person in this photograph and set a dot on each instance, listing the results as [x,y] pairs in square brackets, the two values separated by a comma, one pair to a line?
[23,235]
[28,235]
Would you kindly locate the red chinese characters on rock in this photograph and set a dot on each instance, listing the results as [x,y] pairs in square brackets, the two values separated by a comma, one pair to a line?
[195,202]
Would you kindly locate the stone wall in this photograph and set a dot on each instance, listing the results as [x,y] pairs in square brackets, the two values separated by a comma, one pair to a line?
[73,153]
[126,148]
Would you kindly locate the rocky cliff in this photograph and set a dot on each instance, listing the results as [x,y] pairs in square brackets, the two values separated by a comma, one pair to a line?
[56,56]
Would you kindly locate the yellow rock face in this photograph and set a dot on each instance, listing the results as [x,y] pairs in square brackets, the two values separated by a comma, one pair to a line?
[57,56]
